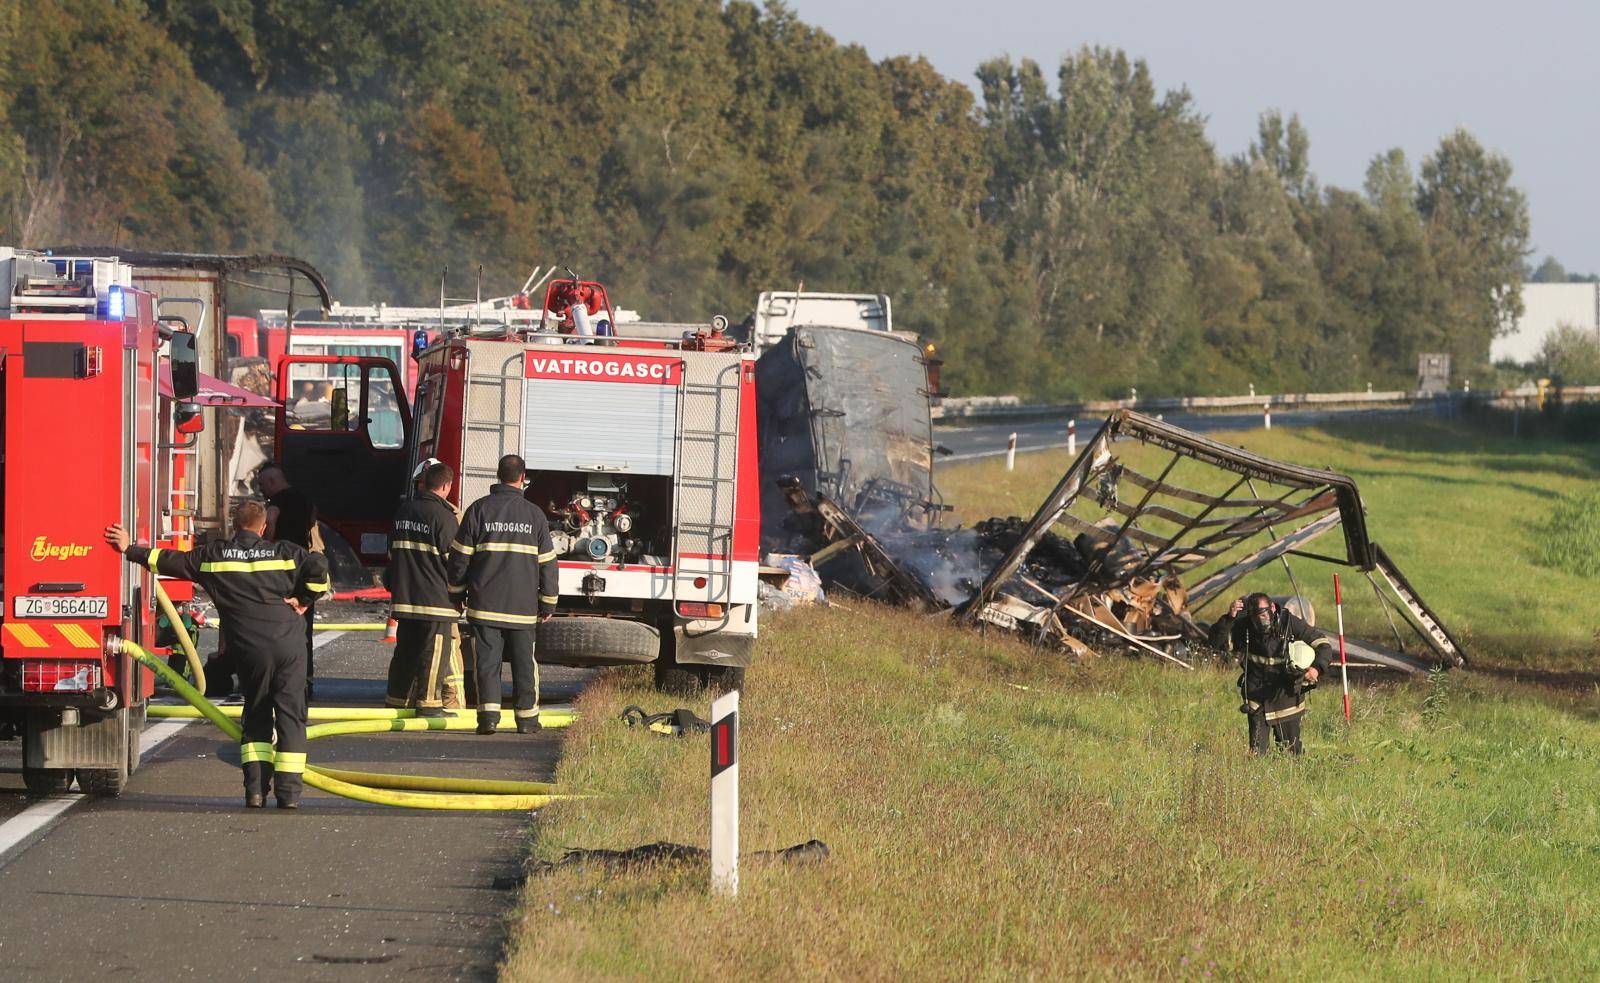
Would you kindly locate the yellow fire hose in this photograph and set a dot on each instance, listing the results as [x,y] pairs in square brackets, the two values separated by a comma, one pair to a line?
[407,791]
[173,619]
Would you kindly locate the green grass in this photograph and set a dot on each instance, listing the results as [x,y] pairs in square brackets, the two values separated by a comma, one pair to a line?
[1569,539]
[1463,514]
[997,811]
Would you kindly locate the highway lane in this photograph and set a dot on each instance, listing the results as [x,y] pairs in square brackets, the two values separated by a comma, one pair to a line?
[176,880]
[969,441]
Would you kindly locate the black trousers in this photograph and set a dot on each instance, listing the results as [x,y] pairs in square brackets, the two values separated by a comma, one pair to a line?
[490,643]
[1284,733]
[425,670]
[274,683]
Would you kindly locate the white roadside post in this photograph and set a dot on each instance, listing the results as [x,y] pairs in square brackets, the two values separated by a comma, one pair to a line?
[1072,438]
[725,794]
[1011,452]
[1266,416]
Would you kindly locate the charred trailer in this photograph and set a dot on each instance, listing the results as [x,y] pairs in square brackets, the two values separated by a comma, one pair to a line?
[641,452]
[844,415]
[98,429]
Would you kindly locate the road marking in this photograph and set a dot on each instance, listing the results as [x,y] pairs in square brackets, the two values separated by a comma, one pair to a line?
[18,832]
[327,637]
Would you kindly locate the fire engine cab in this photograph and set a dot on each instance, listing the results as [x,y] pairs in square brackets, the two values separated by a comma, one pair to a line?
[640,451]
[94,384]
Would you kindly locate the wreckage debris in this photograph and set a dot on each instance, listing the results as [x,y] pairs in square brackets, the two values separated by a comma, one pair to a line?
[1114,556]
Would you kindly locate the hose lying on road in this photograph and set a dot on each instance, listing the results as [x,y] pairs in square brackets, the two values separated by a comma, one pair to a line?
[408,791]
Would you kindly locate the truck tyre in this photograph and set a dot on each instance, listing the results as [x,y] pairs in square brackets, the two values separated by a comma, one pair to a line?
[110,782]
[692,680]
[47,781]
[582,641]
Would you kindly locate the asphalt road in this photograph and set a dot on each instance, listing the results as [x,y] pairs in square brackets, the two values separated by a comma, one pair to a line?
[176,880]
[970,441]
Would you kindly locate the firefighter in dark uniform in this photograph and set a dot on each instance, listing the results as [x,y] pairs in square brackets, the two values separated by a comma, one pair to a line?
[1274,689]
[425,671]
[503,568]
[292,518]
[261,589]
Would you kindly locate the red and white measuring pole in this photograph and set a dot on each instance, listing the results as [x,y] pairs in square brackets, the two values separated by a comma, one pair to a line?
[1344,667]
[725,794]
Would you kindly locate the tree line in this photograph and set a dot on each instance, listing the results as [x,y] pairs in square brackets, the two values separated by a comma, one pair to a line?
[1065,234]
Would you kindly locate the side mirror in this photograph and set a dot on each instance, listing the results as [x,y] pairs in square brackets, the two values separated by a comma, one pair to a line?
[187,418]
[184,359]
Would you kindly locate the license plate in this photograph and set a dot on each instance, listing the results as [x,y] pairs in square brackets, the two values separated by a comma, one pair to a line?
[60,606]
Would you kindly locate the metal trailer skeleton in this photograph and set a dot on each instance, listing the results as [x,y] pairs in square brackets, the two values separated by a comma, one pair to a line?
[1140,553]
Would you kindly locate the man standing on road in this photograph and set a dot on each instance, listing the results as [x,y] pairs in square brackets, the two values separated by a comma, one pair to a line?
[503,568]
[292,517]
[261,589]
[425,671]
[1275,676]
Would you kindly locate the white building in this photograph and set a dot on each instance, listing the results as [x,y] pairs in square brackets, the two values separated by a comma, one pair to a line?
[1544,306]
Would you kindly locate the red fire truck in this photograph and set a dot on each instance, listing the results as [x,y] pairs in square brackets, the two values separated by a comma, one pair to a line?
[642,453]
[95,386]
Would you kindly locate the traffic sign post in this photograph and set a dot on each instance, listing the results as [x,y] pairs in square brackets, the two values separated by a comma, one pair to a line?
[725,794]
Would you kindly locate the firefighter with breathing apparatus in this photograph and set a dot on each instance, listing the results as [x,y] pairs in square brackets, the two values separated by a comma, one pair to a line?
[262,589]
[1281,658]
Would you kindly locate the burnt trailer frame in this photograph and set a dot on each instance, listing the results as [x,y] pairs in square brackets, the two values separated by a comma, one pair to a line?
[1315,502]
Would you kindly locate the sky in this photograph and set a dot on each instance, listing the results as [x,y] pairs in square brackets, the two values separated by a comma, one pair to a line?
[1364,76]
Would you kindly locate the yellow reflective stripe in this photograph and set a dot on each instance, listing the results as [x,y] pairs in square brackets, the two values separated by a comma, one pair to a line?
[547,557]
[547,599]
[510,548]
[423,609]
[291,762]
[457,588]
[27,636]
[246,566]
[407,544]
[522,714]
[462,548]
[77,636]
[1293,711]
[255,751]
[150,560]
[319,586]
[517,619]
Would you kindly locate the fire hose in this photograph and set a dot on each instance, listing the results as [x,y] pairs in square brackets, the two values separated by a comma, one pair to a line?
[171,611]
[406,791]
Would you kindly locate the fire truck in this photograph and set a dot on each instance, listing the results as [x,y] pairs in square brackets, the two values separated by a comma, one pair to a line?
[97,390]
[641,452]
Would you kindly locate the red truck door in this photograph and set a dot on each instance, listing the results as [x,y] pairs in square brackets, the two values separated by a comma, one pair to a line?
[343,434]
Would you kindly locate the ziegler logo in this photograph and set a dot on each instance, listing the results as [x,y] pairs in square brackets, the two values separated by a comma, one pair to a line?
[43,549]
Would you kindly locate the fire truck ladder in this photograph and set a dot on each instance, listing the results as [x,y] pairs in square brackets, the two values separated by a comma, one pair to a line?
[703,544]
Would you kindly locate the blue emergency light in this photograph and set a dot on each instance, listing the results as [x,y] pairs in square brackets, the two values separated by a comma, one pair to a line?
[115,305]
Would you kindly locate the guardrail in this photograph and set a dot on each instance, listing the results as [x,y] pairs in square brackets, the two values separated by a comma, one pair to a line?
[1012,408]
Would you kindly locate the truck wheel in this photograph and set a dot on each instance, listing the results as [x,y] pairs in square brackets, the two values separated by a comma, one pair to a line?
[692,680]
[106,782]
[47,781]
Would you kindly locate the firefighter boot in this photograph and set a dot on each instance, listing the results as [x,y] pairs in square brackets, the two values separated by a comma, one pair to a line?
[528,723]
[487,720]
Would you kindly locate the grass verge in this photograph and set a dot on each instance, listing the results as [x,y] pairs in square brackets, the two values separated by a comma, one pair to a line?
[999,811]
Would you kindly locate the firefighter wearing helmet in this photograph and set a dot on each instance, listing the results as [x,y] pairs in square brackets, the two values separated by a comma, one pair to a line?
[1281,658]
[503,569]
[262,589]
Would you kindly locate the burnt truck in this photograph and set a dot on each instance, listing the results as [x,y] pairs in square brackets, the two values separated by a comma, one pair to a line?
[640,451]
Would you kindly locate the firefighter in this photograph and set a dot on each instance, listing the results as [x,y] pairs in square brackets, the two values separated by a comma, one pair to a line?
[503,569]
[262,590]
[425,671]
[1273,686]
[292,517]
